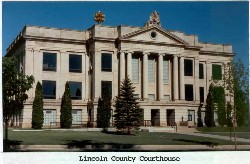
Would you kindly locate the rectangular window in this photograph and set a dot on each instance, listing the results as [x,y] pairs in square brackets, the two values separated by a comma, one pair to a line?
[76,116]
[167,98]
[106,87]
[189,95]
[49,61]
[151,97]
[165,71]
[49,89]
[202,94]
[201,73]
[75,63]
[106,62]
[135,69]
[49,117]
[216,72]
[188,67]
[151,70]
[75,90]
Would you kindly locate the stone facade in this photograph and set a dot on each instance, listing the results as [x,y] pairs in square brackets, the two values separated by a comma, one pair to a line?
[152,57]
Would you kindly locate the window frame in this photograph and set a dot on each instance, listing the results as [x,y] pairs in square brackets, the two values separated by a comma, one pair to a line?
[214,75]
[54,69]
[110,87]
[186,96]
[201,67]
[75,97]
[186,64]
[70,59]
[49,96]
[104,69]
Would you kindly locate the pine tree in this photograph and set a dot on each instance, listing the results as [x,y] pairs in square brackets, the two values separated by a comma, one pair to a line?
[200,123]
[66,108]
[128,113]
[37,112]
[104,109]
[209,112]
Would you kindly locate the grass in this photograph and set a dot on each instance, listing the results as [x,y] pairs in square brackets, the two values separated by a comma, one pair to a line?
[76,138]
[222,129]
[241,132]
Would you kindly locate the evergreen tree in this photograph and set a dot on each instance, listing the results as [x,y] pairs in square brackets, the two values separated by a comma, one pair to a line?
[209,112]
[200,123]
[229,117]
[128,113]
[37,112]
[219,99]
[104,108]
[66,108]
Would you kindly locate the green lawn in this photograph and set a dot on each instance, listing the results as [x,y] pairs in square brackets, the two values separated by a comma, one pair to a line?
[241,132]
[222,129]
[74,138]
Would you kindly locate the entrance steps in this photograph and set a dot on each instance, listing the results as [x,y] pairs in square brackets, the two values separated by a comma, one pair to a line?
[169,129]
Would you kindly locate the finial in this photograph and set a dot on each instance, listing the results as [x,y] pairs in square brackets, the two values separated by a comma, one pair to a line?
[99,17]
[154,19]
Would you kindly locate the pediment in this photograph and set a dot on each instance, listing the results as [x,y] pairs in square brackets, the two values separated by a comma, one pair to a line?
[154,34]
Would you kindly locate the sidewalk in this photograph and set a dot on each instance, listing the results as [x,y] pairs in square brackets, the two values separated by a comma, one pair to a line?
[215,136]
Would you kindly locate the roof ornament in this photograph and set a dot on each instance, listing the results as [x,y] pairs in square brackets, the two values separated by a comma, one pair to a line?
[99,17]
[154,20]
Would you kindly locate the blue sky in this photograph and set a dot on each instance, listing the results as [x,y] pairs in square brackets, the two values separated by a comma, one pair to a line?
[215,22]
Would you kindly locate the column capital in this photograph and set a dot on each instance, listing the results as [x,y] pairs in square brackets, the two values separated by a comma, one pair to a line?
[145,53]
[161,54]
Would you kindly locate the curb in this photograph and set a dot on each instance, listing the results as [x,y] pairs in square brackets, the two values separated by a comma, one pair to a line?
[130,148]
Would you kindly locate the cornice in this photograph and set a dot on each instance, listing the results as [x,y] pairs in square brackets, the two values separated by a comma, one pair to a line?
[60,40]
[216,53]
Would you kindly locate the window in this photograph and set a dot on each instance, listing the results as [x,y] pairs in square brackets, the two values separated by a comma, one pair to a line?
[216,72]
[49,61]
[167,98]
[76,116]
[202,94]
[106,87]
[188,67]
[151,70]
[135,69]
[151,97]
[49,117]
[106,62]
[49,89]
[201,73]
[75,63]
[189,95]
[75,90]
[165,71]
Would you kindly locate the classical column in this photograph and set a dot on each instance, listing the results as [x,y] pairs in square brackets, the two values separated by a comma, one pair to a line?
[122,66]
[208,74]
[129,65]
[96,77]
[196,79]
[160,76]
[182,95]
[145,76]
[176,82]
[86,73]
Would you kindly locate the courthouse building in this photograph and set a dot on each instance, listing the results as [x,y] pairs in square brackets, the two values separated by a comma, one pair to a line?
[170,70]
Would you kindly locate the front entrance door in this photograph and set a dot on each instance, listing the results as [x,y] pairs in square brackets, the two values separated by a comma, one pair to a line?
[191,117]
[155,117]
[170,116]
